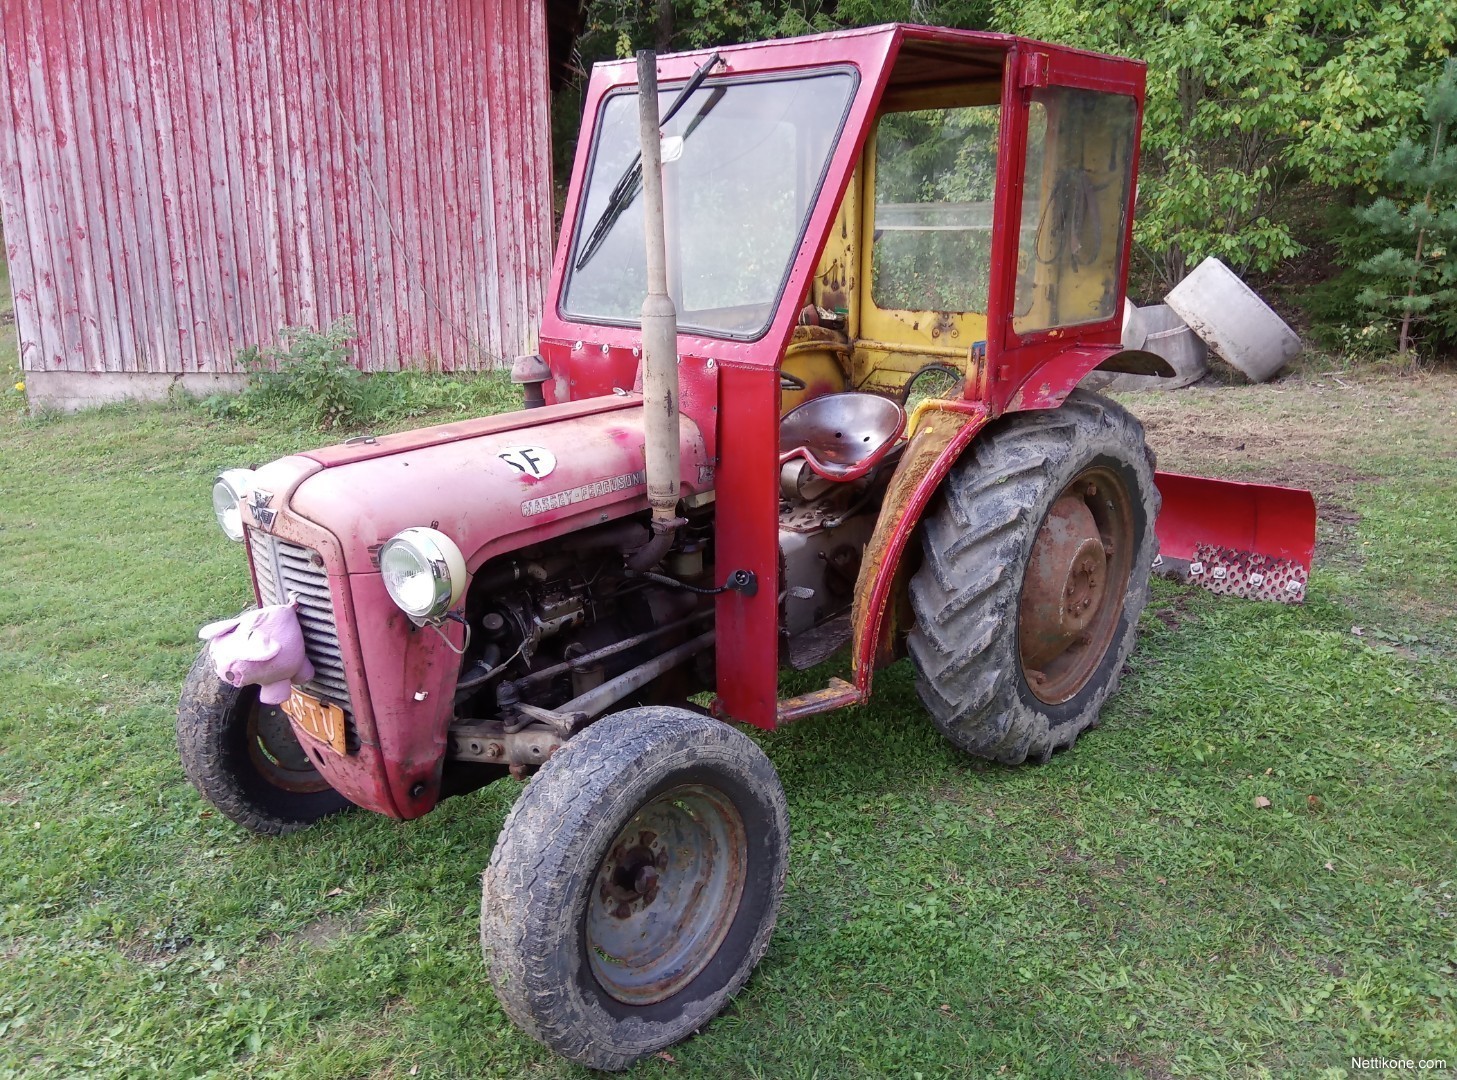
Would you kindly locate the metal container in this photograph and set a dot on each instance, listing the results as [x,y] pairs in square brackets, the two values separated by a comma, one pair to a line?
[1159,330]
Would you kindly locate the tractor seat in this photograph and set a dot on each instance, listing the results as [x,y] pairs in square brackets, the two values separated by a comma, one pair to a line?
[841,436]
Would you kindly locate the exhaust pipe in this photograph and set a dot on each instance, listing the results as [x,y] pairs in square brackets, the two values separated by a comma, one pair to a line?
[659,334]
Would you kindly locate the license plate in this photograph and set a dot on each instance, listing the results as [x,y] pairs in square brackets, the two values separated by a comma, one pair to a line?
[323,721]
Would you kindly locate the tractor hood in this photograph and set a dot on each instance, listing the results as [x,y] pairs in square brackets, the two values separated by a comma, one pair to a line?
[492,485]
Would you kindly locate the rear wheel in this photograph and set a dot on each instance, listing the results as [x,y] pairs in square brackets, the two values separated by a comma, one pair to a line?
[243,757]
[635,885]
[1037,559]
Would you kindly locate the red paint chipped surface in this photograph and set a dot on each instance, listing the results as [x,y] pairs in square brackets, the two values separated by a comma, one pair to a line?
[181,178]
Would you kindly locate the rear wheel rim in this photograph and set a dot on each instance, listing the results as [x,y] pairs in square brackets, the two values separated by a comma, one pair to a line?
[1075,582]
[666,894]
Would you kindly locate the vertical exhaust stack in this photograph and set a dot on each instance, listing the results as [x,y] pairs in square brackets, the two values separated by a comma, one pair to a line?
[659,334]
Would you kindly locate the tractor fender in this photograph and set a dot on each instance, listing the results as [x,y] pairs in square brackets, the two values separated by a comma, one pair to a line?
[1049,384]
[942,432]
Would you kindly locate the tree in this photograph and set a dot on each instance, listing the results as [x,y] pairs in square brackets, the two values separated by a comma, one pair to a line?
[1414,279]
[1247,99]
[615,28]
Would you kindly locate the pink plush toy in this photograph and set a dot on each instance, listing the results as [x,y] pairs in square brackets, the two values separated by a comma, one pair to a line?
[263,646]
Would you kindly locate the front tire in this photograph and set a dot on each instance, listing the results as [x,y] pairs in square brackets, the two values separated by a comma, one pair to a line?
[1037,560]
[243,757]
[635,885]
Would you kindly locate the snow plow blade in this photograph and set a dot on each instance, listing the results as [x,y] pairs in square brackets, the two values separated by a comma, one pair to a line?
[1249,540]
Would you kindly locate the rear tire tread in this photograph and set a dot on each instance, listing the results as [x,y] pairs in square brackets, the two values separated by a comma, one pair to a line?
[975,542]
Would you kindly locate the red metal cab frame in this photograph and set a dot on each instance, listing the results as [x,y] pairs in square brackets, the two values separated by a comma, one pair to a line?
[730,387]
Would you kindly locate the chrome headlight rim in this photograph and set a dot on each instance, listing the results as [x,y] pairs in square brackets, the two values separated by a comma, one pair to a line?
[228,492]
[434,556]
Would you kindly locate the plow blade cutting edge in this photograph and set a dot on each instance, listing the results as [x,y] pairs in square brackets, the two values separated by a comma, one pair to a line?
[1249,540]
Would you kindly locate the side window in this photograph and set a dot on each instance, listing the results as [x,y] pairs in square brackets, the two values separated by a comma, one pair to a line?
[935,174]
[1074,207]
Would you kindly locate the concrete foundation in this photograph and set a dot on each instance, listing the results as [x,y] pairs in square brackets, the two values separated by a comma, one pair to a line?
[68,391]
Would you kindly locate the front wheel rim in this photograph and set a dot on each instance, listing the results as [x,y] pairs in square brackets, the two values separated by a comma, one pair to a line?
[666,894]
[277,753]
[1073,590]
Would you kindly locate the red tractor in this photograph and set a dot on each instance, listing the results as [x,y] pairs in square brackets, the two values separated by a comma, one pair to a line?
[876,264]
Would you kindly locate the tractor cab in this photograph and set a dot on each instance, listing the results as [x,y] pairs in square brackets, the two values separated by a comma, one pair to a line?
[908,200]
[862,231]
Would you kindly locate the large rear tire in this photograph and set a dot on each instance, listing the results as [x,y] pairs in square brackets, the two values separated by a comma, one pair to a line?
[1037,556]
[243,757]
[635,885]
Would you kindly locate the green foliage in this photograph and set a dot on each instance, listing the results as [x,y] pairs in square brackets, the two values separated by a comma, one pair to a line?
[12,376]
[963,14]
[1247,98]
[1412,281]
[934,167]
[310,382]
[938,155]
[309,375]
[616,28]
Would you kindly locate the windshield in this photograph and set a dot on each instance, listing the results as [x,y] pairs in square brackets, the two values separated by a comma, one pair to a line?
[742,166]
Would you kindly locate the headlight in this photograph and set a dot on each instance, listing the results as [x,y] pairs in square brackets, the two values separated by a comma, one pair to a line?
[227,500]
[423,571]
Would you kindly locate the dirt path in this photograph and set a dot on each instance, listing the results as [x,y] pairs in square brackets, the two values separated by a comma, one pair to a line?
[1322,433]
[1378,451]
[1306,429]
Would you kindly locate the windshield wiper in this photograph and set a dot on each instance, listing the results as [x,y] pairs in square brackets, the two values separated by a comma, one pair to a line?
[630,183]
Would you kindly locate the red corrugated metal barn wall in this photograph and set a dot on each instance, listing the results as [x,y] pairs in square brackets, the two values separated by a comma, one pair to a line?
[181,178]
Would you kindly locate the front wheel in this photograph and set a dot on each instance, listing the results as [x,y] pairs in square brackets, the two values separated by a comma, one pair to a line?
[635,885]
[243,757]
[1037,559]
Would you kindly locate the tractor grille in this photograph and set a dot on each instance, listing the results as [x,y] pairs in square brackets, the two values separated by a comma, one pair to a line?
[282,568]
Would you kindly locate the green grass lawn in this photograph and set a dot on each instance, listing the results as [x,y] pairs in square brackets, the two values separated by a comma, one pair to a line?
[1125,910]
[10,373]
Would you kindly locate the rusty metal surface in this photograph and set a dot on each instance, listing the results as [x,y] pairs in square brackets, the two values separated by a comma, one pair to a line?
[730,386]
[366,775]
[1231,572]
[841,436]
[666,894]
[1064,583]
[941,431]
[1073,590]
[492,744]
[277,753]
[1052,377]
[483,502]
[836,694]
[820,367]
[180,179]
